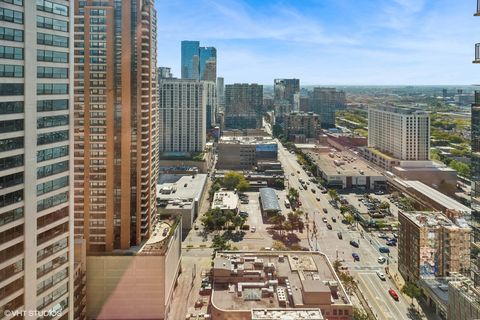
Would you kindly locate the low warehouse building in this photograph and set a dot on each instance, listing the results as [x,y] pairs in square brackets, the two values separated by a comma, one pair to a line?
[269,201]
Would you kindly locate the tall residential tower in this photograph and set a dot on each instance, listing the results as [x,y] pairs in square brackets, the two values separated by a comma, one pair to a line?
[115,123]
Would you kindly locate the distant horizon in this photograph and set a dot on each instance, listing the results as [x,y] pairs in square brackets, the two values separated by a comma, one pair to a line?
[378,42]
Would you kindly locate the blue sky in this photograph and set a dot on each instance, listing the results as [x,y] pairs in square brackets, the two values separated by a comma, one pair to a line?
[359,42]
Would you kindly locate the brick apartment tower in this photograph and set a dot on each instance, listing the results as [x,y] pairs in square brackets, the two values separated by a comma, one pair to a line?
[115,116]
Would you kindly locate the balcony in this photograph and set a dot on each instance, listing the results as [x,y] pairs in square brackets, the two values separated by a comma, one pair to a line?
[477,53]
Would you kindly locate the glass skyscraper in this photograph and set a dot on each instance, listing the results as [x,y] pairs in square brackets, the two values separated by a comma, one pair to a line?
[190,59]
[198,63]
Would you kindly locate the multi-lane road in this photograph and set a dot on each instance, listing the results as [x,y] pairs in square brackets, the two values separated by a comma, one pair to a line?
[364,271]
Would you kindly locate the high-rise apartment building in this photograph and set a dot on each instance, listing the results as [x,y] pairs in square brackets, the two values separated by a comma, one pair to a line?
[326,102]
[36,208]
[116,145]
[164,73]
[198,63]
[402,133]
[284,92]
[243,104]
[431,244]
[182,115]
[301,124]
[220,91]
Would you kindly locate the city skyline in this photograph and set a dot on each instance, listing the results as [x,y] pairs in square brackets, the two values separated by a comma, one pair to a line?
[330,42]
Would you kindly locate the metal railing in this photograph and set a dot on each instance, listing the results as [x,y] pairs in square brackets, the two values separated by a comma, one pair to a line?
[477,52]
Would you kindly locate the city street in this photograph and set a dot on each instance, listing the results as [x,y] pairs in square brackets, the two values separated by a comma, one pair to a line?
[374,290]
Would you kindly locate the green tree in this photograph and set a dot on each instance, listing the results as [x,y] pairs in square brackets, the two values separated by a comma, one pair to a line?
[219,243]
[462,168]
[333,193]
[279,246]
[349,218]
[412,290]
[384,205]
[359,314]
[232,179]
[344,209]
[336,265]
[293,194]
[243,185]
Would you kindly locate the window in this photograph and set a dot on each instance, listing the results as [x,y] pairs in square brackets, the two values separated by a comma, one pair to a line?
[11,125]
[52,72]
[54,24]
[11,162]
[51,249]
[11,144]
[52,137]
[52,105]
[52,121]
[52,169]
[52,40]
[15,2]
[52,185]
[10,107]
[11,216]
[11,180]
[11,15]
[11,198]
[11,89]
[11,34]
[10,70]
[52,153]
[52,7]
[11,53]
[52,56]
[52,201]
[52,88]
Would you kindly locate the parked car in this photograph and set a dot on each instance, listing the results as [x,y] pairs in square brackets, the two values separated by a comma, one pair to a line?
[383,236]
[329,226]
[334,219]
[339,235]
[318,198]
[325,210]
[391,243]
[355,256]
[313,190]
[381,275]
[395,235]
[253,229]
[243,214]
[324,220]
[383,249]
[244,201]
[381,260]
[354,243]
[393,294]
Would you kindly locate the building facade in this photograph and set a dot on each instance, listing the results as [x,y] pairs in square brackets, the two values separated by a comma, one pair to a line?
[244,153]
[182,115]
[198,63]
[402,133]
[431,244]
[284,92]
[164,73]
[463,298]
[243,104]
[303,124]
[116,145]
[326,102]
[36,207]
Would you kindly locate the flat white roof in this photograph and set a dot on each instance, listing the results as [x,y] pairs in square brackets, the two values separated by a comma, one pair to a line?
[225,200]
[437,196]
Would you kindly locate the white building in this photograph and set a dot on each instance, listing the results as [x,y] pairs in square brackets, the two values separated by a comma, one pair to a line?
[402,133]
[182,115]
[36,200]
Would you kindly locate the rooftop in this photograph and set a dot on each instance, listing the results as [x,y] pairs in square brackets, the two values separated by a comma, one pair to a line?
[287,314]
[225,200]
[180,190]
[399,110]
[247,140]
[272,280]
[342,164]
[269,200]
[437,196]
[434,219]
